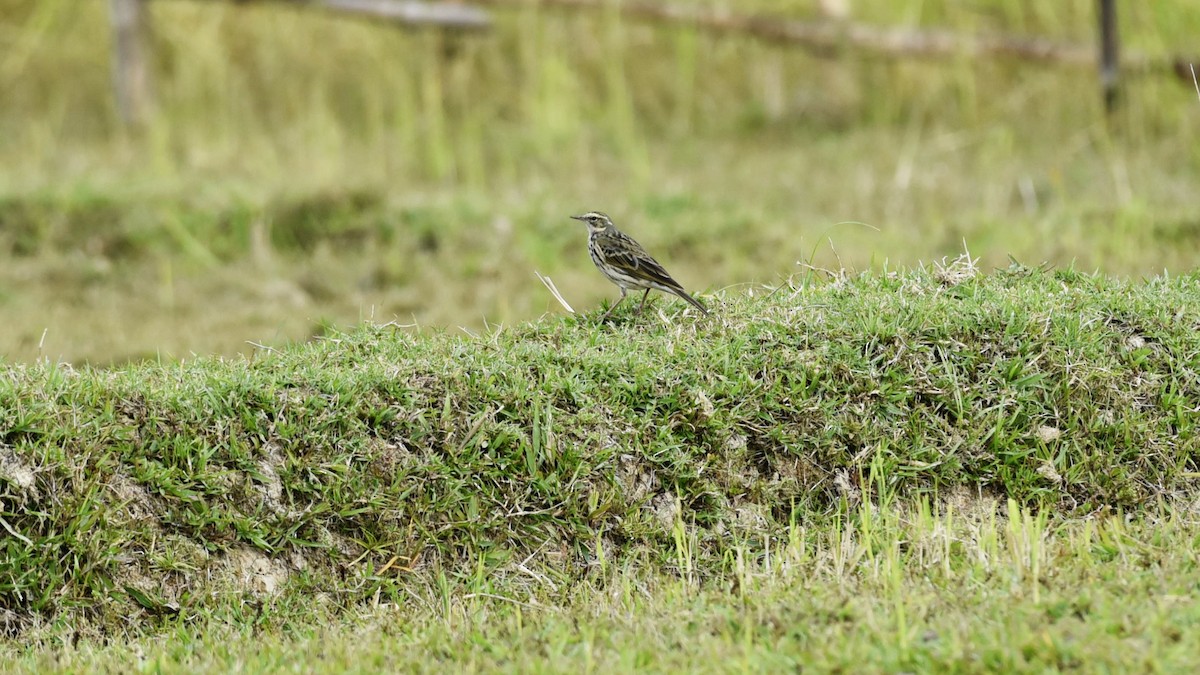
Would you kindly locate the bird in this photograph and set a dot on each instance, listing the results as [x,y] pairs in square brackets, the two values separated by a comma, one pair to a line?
[626,263]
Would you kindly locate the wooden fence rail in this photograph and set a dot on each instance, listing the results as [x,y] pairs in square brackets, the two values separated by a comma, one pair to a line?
[134,91]
[411,13]
[130,24]
[835,37]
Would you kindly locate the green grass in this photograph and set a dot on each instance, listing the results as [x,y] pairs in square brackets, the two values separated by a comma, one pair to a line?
[424,178]
[216,453]
[368,466]
[115,275]
[972,586]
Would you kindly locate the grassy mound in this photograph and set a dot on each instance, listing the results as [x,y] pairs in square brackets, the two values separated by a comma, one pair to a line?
[320,476]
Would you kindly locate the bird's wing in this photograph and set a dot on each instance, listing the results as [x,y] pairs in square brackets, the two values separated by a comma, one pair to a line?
[622,252]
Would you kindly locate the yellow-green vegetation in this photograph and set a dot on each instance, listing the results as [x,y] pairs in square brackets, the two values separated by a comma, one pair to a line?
[814,474]
[305,170]
[898,468]
[960,590]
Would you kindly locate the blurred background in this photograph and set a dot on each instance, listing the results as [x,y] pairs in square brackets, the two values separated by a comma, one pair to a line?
[293,169]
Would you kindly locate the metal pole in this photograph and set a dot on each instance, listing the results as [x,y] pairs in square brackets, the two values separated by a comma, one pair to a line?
[1109,60]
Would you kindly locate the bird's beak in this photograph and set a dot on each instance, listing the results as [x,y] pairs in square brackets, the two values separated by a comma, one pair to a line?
[577,218]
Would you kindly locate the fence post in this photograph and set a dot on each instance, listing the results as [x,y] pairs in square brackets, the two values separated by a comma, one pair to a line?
[1108,54]
[131,71]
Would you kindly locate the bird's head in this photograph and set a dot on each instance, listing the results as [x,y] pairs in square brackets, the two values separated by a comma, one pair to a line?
[595,221]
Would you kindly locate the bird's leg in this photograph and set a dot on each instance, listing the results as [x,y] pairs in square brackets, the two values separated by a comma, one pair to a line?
[610,309]
[643,305]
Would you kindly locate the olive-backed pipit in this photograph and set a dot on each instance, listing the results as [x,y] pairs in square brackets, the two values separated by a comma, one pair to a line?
[626,263]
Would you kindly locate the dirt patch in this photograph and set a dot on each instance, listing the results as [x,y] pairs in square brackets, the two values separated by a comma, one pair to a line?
[252,571]
[271,489]
[133,500]
[976,504]
[16,472]
[636,479]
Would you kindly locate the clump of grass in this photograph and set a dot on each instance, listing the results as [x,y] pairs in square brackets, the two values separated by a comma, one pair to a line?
[353,467]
